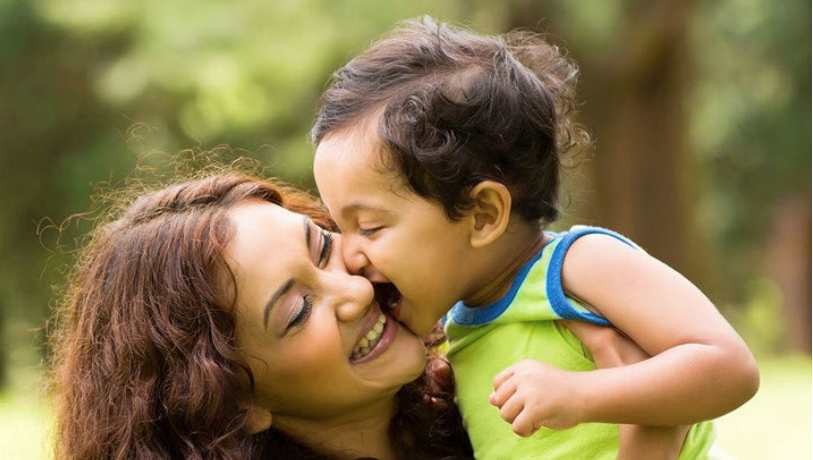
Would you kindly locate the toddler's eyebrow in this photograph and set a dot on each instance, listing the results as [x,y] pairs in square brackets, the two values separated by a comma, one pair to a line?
[356,207]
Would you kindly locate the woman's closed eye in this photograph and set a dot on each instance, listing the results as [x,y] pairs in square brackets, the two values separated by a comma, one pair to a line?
[303,314]
[307,301]
[325,244]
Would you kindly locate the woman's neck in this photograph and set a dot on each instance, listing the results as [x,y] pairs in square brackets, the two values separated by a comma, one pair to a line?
[503,261]
[360,433]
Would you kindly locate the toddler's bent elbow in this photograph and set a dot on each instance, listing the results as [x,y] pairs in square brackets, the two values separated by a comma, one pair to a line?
[737,376]
[746,373]
[751,378]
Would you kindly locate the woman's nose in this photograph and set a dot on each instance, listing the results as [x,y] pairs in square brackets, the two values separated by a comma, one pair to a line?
[355,298]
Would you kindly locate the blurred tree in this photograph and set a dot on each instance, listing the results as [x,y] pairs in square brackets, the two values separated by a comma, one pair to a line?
[247,73]
[728,137]
[636,74]
[753,130]
[49,116]
[702,128]
[78,74]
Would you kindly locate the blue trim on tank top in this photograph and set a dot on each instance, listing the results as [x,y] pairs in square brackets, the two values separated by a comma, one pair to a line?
[561,305]
[477,316]
[464,315]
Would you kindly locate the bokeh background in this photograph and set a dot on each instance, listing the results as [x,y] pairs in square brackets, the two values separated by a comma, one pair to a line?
[701,114]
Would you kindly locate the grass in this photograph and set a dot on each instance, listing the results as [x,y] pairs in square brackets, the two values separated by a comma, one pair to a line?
[776,424]
[24,426]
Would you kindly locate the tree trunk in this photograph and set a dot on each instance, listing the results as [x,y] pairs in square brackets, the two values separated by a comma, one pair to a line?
[642,172]
[788,265]
[4,349]
[641,180]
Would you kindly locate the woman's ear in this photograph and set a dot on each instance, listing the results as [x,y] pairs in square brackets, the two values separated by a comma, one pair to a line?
[491,213]
[259,419]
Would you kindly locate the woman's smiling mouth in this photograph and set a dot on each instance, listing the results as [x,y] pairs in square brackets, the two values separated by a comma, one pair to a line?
[371,339]
[376,340]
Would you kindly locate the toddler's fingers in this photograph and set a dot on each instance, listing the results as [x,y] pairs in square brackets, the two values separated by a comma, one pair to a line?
[506,374]
[502,392]
[524,424]
[511,409]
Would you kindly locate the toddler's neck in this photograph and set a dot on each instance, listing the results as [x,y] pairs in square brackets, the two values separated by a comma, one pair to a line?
[508,255]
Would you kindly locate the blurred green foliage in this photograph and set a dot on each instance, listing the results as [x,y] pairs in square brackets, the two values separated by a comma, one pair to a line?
[89,86]
[752,123]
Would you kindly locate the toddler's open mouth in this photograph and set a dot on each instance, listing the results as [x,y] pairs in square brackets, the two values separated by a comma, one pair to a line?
[388,297]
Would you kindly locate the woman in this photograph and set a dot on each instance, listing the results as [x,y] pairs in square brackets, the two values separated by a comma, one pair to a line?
[215,319]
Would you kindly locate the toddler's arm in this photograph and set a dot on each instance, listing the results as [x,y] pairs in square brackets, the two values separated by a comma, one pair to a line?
[611,349]
[700,368]
[531,394]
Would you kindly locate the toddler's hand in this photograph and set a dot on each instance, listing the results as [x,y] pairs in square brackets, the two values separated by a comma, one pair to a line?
[532,395]
[611,349]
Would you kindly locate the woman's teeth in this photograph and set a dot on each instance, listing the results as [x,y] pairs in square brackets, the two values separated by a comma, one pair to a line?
[368,342]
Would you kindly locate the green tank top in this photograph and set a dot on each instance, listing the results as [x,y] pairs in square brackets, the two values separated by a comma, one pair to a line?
[485,340]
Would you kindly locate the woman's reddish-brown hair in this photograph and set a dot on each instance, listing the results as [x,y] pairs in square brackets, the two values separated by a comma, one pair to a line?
[145,357]
[145,360]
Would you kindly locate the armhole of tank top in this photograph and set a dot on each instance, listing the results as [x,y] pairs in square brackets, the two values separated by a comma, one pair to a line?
[560,303]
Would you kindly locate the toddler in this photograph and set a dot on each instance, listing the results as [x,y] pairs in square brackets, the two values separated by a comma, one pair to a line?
[438,155]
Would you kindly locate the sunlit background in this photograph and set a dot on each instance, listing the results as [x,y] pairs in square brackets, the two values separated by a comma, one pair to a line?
[701,114]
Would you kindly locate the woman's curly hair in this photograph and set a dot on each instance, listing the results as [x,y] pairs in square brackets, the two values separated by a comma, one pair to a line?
[145,358]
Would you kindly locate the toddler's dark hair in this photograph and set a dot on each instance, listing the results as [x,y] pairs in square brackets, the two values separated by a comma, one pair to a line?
[454,108]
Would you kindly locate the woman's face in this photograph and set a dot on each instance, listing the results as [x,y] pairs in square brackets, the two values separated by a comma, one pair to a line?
[314,336]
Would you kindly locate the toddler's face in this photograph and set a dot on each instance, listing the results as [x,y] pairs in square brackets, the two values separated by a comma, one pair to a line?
[391,234]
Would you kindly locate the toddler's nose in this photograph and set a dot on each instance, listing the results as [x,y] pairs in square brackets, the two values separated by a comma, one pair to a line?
[354,258]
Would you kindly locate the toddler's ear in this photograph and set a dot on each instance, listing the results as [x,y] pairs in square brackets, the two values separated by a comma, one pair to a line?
[491,212]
